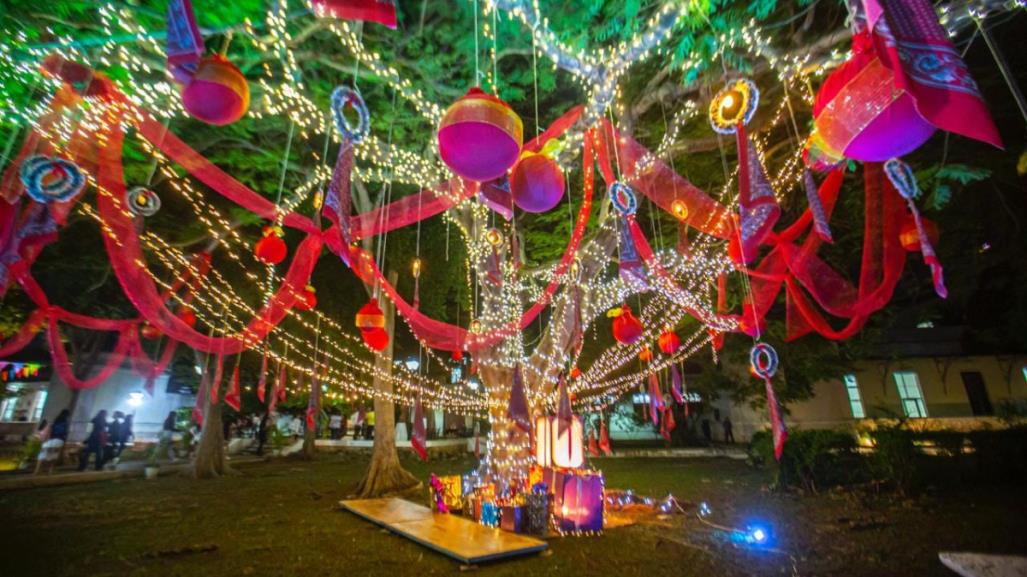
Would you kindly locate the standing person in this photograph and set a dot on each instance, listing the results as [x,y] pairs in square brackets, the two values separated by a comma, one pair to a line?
[357,418]
[262,432]
[116,439]
[707,433]
[335,425]
[369,425]
[729,435]
[96,442]
[52,445]
[167,436]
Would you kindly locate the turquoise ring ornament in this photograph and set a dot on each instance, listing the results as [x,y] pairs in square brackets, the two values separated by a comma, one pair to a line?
[734,105]
[342,97]
[142,201]
[763,361]
[623,199]
[51,179]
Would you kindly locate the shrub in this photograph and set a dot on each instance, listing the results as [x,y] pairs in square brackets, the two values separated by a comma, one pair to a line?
[894,458]
[811,459]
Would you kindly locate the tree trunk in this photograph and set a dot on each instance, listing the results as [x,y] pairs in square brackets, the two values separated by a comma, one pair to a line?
[384,473]
[210,459]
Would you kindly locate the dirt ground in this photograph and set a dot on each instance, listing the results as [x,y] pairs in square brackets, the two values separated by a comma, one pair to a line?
[280,518]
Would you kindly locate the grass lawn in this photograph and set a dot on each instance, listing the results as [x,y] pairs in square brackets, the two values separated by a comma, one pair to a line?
[280,519]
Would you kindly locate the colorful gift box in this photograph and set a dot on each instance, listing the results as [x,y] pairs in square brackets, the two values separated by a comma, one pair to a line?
[536,521]
[452,491]
[513,518]
[579,502]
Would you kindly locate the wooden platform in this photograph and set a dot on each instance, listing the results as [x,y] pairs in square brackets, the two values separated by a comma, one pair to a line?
[452,535]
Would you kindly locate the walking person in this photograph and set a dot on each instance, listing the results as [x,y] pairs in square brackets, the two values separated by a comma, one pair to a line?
[729,435]
[262,432]
[115,441]
[96,442]
[167,436]
[707,432]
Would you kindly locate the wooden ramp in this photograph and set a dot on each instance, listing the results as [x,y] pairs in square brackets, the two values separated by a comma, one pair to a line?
[452,535]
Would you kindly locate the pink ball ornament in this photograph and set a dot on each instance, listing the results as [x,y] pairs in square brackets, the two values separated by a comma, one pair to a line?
[536,183]
[860,114]
[480,136]
[217,93]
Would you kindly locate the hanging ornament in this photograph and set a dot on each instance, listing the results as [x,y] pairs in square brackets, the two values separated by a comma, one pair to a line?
[593,446]
[675,385]
[187,316]
[475,326]
[536,183]
[630,268]
[734,106]
[626,328]
[371,322]
[232,397]
[49,179]
[901,176]
[816,208]
[679,209]
[575,372]
[149,332]
[495,194]
[763,363]
[345,97]
[667,424]
[381,11]
[494,237]
[480,136]
[669,341]
[419,436]
[655,399]
[415,270]
[909,234]
[307,300]
[184,41]
[217,93]
[142,201]
[457,355]
[271,249]
[645,355]
[262,380]
[604,439]
[517,408]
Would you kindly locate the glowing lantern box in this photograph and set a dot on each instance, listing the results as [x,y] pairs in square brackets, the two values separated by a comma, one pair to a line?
[555,450]
[452,492]
[579,501]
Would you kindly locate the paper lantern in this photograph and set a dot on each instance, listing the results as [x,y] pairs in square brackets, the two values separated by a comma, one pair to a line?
[860,113]
[536,183]
[626,328]
[553,449]
[457,355]
[150,332]
[910,238]
[307,300]
[217,93]
[480,136]
[187,316]
[669,342]
[376,339]
[645,355]
[575,372]
[580,501]
[271,249]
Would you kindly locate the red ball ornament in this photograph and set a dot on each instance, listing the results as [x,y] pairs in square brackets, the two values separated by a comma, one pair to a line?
[187,316]
[669,342]
[536,183]
[307,300]
[626,328]
[645,355]
[457,356]
[909,237]
[217,93]
[480,136]
[575,372]
[271,248]
[376,339]
[150,332]
[860,114]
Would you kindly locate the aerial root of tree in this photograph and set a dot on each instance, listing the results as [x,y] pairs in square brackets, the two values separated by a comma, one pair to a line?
[385,476]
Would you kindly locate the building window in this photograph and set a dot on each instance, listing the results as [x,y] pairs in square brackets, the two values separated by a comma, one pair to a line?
[855,401]
[10,403]
[910,395]
[37,410]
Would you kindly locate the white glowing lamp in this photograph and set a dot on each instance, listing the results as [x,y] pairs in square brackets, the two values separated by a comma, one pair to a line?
[553,449]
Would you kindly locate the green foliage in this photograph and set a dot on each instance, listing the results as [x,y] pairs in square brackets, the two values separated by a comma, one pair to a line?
[811,459]
[894,458]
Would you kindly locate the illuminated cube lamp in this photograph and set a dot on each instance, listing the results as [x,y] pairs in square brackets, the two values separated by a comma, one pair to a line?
[579,502]
[555,450]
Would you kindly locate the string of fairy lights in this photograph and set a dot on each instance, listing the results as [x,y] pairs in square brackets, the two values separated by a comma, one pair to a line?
[282,94]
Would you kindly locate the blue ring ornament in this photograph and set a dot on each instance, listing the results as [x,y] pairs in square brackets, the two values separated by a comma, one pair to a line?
[51,179]
[142,201]
[901,176]
[745,89]
[623,198]
[763,360]
[342,97]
